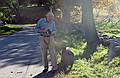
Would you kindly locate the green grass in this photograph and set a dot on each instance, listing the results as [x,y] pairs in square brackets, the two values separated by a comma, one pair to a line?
[109,28]
[9,29]
[113,24]
[96,67]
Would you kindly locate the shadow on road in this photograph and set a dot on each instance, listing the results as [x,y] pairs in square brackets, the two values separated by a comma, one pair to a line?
[20,48]
[49,74]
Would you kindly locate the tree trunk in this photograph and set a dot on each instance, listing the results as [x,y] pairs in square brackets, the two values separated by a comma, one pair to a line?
[89,28]
[66,14]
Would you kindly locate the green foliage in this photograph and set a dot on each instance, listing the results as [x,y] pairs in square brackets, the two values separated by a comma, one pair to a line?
[71,39]
[5,14]
[111,28]
[7,30]
[50,3]
[99,55]
[97,66]
[114,24]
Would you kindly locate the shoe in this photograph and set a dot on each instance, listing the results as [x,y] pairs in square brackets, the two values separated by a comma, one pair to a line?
[54,70]
[45,70]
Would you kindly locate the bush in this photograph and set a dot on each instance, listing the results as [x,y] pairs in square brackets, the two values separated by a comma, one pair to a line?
[7,30]
[5,14]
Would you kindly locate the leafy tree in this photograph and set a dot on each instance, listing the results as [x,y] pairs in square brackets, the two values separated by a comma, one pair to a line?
[13,8]
[5,15]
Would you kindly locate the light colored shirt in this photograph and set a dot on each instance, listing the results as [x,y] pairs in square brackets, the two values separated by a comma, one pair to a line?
[43,23]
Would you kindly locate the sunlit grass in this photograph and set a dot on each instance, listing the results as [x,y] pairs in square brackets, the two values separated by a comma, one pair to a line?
[96,67]
[111,34]
[9,29]
[25,25]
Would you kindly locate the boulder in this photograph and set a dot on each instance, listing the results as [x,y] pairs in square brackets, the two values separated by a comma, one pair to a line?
[114,48]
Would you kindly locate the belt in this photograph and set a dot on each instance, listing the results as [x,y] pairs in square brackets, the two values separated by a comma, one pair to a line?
[45,34]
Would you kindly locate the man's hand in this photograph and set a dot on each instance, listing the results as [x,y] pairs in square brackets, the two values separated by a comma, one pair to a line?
[53,33]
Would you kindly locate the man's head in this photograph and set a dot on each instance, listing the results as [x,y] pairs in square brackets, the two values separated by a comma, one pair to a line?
[50,16]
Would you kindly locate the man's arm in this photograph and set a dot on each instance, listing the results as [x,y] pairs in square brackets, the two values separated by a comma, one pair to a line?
[39,25]
[53,28]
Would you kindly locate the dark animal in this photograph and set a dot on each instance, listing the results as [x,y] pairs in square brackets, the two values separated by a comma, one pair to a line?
[67,58]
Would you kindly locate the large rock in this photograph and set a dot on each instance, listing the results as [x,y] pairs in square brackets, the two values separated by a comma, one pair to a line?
[114,48]
[113,44]
[104,39]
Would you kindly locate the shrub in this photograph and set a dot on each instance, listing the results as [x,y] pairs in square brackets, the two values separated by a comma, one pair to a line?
[7,30]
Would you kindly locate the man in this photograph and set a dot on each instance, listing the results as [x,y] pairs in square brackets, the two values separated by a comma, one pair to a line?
[46,28]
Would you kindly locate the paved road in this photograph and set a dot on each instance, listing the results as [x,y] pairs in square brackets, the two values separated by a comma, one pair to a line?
[19,55]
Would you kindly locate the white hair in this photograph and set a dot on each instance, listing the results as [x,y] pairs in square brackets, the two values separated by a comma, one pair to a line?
[50,14]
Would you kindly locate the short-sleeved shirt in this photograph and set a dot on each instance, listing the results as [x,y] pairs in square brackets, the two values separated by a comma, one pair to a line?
[43,23]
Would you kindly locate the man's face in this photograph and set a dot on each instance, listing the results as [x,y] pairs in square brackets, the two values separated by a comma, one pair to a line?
[49,17]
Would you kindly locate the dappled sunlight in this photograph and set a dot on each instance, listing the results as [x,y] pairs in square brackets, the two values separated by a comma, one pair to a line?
[76,14]
[21,48]
[87,38]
